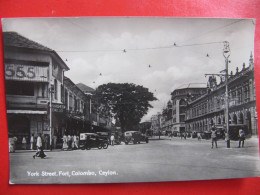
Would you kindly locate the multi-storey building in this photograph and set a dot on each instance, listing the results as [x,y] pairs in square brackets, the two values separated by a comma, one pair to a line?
[31,70]
[180,97]
[35,82]
[209,109]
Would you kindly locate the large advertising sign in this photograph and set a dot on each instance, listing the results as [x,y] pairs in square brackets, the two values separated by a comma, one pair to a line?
[26,72]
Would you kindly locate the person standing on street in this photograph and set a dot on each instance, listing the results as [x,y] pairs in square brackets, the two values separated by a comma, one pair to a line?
[241,137]
[112,138]
[24,143]
[32,141]
[65,142]
[213,137]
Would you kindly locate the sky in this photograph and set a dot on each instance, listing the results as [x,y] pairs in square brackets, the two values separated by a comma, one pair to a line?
[159,53]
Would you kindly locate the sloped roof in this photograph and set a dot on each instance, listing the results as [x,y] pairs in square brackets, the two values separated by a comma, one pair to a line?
[85,88]
[16,40]
[13,39]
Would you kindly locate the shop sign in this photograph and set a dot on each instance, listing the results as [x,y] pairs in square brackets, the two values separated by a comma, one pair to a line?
[58,107]
[21,72]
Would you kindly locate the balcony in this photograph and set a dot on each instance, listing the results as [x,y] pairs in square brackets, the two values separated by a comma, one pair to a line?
[26,101]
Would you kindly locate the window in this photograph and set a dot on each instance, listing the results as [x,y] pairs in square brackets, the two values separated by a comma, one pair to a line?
[19,88]
[55,89]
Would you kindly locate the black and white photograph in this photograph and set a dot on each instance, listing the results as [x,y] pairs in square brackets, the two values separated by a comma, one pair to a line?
[130,99]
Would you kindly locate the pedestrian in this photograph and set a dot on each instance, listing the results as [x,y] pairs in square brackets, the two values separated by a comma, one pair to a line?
[39,145]
[72,142]
[32,141]
[69,142]
[241,137]
[199,136]
[65,142]
[112,138]
[184,135]
[213,137]
[75,141]
[11,144]
[24,143]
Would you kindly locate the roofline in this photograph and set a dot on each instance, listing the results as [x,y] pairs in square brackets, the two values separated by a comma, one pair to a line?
[51,52]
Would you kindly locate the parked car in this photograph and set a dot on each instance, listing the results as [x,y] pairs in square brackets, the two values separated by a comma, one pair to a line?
[104,135]
[92,140]
[220,131]
[135,137]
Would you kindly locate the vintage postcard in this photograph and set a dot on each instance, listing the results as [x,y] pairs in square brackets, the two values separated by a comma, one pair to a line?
[130,99]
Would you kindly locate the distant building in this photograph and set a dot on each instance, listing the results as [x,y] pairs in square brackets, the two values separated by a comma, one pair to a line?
[180,97]
[156,123]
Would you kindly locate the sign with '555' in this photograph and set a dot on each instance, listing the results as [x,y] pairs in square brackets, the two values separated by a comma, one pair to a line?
[26,72]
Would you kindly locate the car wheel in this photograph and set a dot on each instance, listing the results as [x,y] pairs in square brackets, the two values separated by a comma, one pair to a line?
[126,143]
[99,146]
[88,148]
[105,145]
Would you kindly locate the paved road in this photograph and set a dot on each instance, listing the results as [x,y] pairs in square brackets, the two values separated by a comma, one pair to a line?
[159,160]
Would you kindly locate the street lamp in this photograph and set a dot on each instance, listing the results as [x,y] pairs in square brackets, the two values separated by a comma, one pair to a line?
[226,53]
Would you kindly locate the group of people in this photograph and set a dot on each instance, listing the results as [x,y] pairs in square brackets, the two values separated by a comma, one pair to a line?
[241,137]
[70,142]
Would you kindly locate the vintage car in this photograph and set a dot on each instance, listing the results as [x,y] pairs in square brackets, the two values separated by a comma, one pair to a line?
[104,135]
[135,137]
[92,140]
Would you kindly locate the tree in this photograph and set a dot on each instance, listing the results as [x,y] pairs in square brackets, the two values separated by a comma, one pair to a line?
[126,102]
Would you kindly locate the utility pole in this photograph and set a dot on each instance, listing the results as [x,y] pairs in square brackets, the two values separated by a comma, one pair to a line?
[50,99]
[226,53]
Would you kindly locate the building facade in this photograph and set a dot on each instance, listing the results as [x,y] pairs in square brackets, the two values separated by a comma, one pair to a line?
[31,71]
[209,109]
[180,97]
[39,98]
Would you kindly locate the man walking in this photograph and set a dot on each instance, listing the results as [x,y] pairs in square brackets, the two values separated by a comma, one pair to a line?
[39,145]
[241,137]
[213,137]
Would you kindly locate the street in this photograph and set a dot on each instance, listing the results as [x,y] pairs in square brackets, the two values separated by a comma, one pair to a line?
[159,160]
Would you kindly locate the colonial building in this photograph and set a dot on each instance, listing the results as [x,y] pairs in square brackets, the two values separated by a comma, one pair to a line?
[35,82]
[180,97]
[31,71]
[209,109]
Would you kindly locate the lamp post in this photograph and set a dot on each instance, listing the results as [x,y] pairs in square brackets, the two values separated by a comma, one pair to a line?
[226,53]
[50,105]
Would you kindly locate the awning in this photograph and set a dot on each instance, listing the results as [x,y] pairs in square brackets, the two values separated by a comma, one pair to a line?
[26,112]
